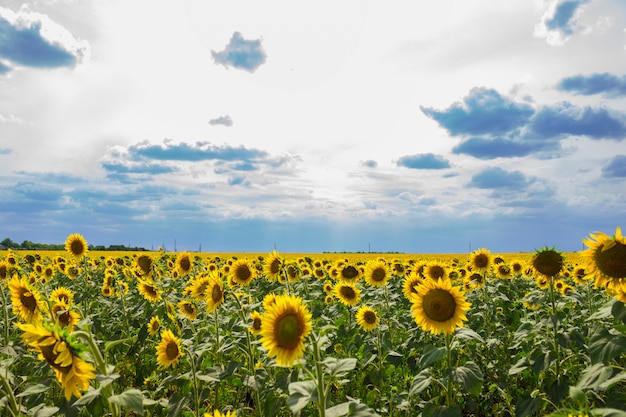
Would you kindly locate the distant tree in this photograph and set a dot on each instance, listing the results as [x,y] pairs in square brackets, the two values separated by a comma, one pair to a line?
[8,243]
[27,244]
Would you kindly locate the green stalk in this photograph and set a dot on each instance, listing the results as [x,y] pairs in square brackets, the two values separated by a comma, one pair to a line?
[6,318]
[555,329]
[196,396]
[13,408]
[321,391]
[449,387]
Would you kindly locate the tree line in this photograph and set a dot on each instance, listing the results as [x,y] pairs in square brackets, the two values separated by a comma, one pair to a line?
[7,243]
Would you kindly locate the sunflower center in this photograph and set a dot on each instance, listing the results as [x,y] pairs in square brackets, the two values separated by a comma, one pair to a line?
[256,324]
[145,264]
[288,331]
[548,262]
[171,351]
[350,272]
[379,275]
[275,266]
[369,317]
[243,273]
[348,292]
[436,272]
[3,271]
[439,305]
[28,300]
[216,294]
[481,261]
[612,262]
[185,264]
[77,247]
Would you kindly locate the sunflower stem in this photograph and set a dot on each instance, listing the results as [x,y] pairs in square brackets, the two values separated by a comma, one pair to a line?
[196,396]
[555,329]
[13,408]
[217,356]
[321,391]
[6,318]
[449,387]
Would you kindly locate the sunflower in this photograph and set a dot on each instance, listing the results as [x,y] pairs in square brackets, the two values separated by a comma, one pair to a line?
[144,265]
[476,280]
[439,307]
[398,268]
[149,291]
[347,293]
[188,309]
[242,272]
[272,266]
[350,273]
[4,270]
[293,272]
[606,259]
[26,301]
[183,263]
[286,324]
[62,314]
[480,260]
[257,321]
[410,282]
[169,350]
[548,261]
[504,271]
[216,413]
[198,286]
[435,270]
[63,295]
[367,318]
[376,273]
[154,325]
[328,287]
[517,267]
[543,281]
[214,293]
[63,354]
[76,245]
[269,300]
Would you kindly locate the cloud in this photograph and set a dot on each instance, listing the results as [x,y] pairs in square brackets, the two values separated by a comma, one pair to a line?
[483,148]
[616,168]
[498,178]
[222,120]
[483,111]
[140,168]
[424,161]
[559,22]
[242,54]
[33,40]
[567,119]
[370,163]
[5,151]
[599,83]
[4,69]
[200,151]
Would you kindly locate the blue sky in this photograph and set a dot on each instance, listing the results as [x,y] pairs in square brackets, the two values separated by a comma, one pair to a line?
[321,126]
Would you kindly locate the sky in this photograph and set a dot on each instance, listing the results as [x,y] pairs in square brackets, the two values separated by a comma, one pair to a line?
[249,126]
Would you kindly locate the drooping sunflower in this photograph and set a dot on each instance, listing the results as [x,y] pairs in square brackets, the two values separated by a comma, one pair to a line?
[57,347]
[188,309]
[286,324]
[547,261]
[26,301]
[149,291]
[257,322]
[76,245]
[376,273]
[367,318]
[476,280]
[606,259]
[169,350]
[272,266]
[480,260]
[214,293]
[242,272]
[347,292]
[439,307]
[64,316]
[154,325]
[183,263]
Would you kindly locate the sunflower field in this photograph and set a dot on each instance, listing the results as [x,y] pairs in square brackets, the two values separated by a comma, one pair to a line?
[197,334]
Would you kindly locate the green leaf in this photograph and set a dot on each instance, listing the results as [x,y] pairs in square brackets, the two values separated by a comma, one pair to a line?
[176,405]
[43,411]
[131,398]
[609,412]
[606,348]
[470,377]
[420,382]
[527,406]
[594,375]
[33,389]
[606,384]
[432,354]
[88,397]
[300,394]
[519,366]
[442,411]
[338,410]
[465,333]
[339,367]
[618,310]
[578,396]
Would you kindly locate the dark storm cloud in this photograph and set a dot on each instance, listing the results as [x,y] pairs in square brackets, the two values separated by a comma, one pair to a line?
[483,112]
[424,161]
[616,168]
[241,53]
[25,45]
[498,178]
[600,83]
[563,15]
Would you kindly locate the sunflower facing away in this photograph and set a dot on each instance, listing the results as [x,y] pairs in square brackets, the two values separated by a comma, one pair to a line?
[62,353]
[76,245]
[376,273]
[367,318]
[286,324]
[169,350]
[439,307]
[606,259]
[25,299]
[347,293]
[548,261]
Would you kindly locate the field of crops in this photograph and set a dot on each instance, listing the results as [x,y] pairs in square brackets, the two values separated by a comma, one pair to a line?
[191,334]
